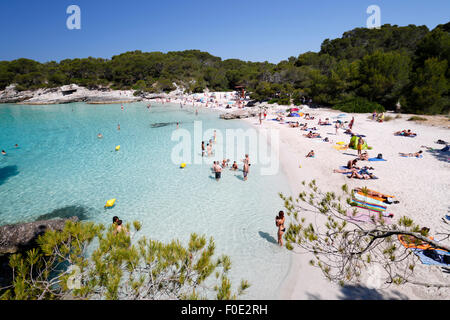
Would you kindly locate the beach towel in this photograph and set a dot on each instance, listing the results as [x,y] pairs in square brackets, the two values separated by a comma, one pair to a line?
[439,258]
[368,206]
[340,148]
[369,200]
[376,159]
[447,217]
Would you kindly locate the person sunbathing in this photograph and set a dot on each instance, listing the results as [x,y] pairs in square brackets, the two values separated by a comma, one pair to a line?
[312,135]
[294,125]
[362,175]
[386,199]
[417,154]
[364,156]
[406,133]
[310,154]
[351,164]
[345,170]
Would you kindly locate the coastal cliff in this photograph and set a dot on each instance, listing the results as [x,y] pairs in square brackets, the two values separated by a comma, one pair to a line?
[67,94]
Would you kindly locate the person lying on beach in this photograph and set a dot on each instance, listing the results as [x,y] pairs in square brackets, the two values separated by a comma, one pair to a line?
[345,170]
[406,133]
[348,131]
[323,123]
[312,135]
[364,156]
[376,194]
[363,176]
[294,125]
[310,154]
[417,154]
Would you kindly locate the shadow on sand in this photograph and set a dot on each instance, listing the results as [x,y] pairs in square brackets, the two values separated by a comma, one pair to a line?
[359,292]
[440,155]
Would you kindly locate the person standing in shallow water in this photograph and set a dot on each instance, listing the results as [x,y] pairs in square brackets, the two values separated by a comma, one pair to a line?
[246,168]
[279,222]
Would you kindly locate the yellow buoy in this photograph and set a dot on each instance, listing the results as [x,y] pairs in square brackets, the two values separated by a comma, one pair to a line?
[110,203]
[118,148]
[183,165]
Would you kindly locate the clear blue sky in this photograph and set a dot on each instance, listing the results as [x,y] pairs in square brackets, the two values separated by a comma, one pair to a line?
[254,30]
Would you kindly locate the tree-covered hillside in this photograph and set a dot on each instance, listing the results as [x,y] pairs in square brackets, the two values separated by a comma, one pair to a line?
[392,64]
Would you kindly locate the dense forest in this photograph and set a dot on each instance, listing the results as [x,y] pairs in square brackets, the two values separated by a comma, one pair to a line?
[381,67]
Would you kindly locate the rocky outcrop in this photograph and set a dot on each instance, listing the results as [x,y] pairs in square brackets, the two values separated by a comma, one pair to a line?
[239,114]
[67,94]
[20,237]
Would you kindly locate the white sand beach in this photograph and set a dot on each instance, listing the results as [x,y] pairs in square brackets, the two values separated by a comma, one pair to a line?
[421,185]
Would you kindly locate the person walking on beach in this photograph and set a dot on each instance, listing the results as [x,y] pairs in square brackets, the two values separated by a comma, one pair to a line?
[279,222]
[215,136]
[203,148]
[350,126]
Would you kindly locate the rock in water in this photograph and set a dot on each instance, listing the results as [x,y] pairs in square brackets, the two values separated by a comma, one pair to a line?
[20,237]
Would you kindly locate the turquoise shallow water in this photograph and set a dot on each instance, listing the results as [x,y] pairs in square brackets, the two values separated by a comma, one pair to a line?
[61,167]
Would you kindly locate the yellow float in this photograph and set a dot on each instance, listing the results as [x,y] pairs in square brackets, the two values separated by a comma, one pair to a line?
[110,203]
[117,148]
[183,165]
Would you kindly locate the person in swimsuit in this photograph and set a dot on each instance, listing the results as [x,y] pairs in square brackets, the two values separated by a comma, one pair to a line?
[359,146]
[351,164]
[203,148]
[235,166]
[118,127]
[279,222]
[310,154]
[246,168]
[4,152]
[417,154]
[99,136]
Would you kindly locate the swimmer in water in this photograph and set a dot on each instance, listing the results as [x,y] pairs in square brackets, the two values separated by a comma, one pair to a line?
[118,127]
[99,136]
[4,152]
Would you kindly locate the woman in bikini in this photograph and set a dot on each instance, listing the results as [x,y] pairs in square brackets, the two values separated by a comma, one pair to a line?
[279,222]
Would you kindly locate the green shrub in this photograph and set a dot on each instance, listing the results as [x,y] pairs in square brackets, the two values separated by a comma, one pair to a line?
[359,105]
[417,118]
